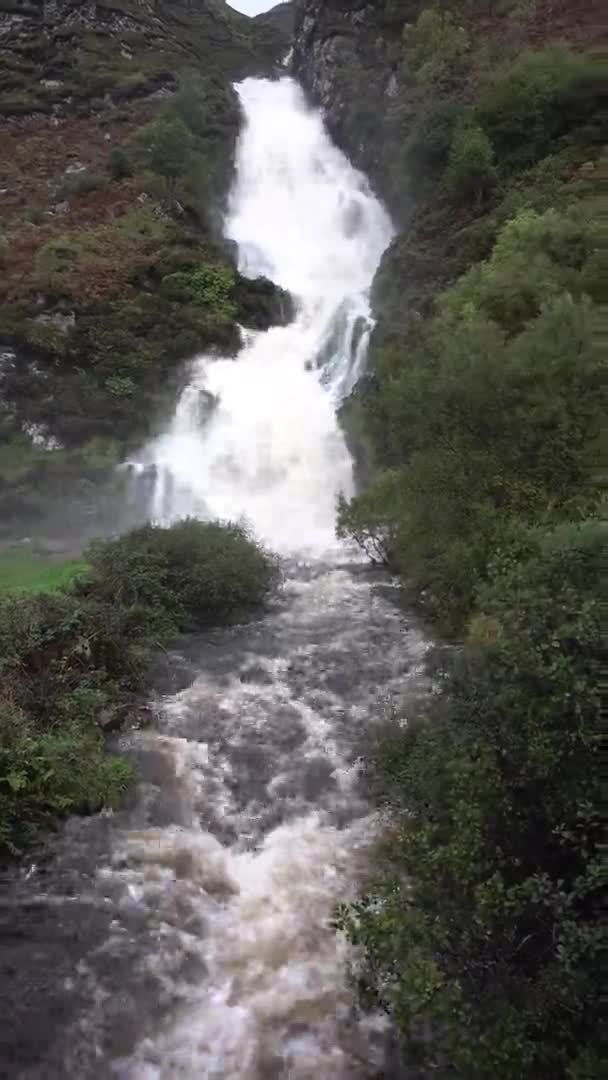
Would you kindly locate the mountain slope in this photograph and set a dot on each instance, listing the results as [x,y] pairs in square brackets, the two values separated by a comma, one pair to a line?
[480,433]
[118,122]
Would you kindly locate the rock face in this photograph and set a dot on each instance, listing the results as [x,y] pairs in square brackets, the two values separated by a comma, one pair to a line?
[348,55]
[59,56]
[352,57]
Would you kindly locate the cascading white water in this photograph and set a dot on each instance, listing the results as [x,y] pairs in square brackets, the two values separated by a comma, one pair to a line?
[199,921]
[271,450]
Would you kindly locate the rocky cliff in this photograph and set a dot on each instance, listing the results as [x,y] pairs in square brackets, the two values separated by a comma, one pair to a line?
[348,56]
[117,126]
[395,82]
[354,57]
[67,56]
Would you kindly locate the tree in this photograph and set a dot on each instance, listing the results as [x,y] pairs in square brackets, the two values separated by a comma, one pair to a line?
[170,149]
[471,173]
[437,48]
[485,918]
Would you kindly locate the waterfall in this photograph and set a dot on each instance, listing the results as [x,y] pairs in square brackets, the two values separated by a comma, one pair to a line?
[197,923]
[256,438]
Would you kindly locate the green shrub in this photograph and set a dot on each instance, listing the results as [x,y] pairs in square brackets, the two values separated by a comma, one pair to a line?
[82,183]
[119,164]
[190,105]
[372,519]
[494,420]
[536,258]
[437,47]
[65,655]
[211,286]
[485,919]
[536,98]
[168,147]
[45,775]
[471,174]
[210,111]
[428,142]
[192,575]
[121,386]
[36,215]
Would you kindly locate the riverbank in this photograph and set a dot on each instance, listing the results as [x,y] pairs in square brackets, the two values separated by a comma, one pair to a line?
[479,431]
[76,643]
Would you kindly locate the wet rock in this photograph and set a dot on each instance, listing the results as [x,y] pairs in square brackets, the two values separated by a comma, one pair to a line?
[256,674]
[7,358]
[75,168]
[136,714]
[263,304]
[58,320]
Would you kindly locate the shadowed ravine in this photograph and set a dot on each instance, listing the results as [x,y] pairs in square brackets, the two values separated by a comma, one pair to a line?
[189,936]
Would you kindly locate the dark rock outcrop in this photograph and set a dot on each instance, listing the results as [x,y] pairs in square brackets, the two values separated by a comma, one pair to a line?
[65,56]
[348,55]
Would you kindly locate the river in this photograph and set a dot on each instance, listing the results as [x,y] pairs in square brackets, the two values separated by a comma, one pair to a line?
[189,936]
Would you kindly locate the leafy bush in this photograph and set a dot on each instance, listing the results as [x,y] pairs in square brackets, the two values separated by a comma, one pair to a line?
[120,386]
[66,655]
[210,111]
[428,142]
[471,173]
[437,47]
[536,258]
[493,421]
[47,774]
[119,164]
[536,98]
[168,146]
[82,183]
[211,285]
[191,575]
[372,519]
[481,424]
[485,921]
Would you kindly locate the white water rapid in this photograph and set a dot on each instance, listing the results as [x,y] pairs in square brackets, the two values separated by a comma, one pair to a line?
[272,451]
[190,936]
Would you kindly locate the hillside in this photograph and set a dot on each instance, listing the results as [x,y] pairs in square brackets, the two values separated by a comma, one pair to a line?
[118,123]
[281,18]
[478,430]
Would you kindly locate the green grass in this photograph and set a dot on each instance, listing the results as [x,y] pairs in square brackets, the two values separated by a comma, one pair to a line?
[27,572]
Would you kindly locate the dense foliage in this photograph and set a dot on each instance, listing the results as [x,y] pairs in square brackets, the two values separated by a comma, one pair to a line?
[483,928]
[492,424]
[479,428]
[71,655]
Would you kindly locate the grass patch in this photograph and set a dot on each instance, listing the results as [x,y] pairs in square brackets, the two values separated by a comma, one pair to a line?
[25,571]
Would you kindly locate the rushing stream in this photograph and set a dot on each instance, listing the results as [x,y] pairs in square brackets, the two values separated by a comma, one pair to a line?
[189,936]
